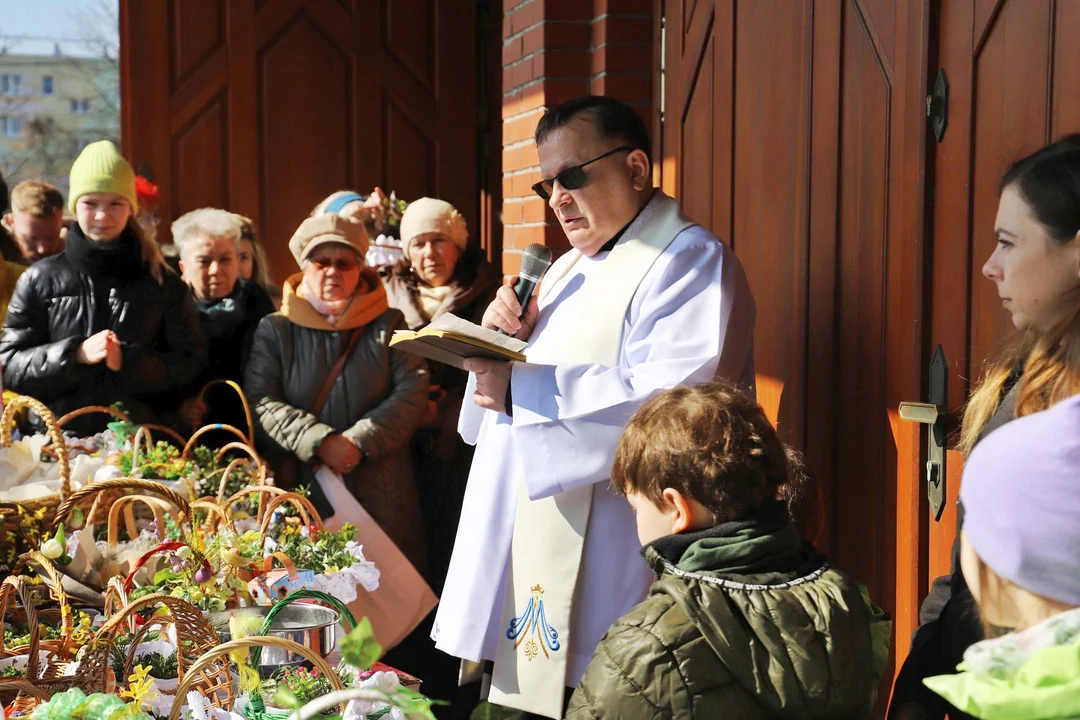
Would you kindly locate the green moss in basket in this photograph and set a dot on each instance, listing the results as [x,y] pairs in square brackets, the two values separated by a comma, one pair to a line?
[13,672]
[296,685]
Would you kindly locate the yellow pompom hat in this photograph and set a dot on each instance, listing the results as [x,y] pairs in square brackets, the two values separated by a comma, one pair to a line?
[100,168]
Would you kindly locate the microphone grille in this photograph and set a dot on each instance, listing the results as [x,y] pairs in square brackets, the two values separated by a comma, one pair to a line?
[535,260]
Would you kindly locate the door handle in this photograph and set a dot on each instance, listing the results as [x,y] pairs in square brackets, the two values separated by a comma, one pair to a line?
[933,414]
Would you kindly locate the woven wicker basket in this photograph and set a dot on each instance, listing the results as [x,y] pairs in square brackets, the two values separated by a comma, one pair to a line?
[195,637]
[54,678]
[217,656]
[10,521]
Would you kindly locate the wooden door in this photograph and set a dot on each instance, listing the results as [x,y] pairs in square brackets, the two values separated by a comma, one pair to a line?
[265,107]
[795,130]
[1013,69]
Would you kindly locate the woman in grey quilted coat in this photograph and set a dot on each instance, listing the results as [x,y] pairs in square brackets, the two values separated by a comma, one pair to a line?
[356,420]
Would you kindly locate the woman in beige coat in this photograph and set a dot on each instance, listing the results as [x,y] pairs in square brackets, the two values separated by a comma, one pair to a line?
[357,421]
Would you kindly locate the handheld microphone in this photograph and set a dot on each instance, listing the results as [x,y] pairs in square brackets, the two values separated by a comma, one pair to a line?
[534,263]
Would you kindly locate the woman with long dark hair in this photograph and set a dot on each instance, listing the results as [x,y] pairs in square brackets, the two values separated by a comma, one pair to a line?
[1036,268]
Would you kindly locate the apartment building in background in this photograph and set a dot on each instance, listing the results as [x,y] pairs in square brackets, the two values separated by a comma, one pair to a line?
[51,107]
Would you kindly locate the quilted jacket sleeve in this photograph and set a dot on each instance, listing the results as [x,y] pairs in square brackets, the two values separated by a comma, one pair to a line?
[292,428]
[632,676]
[391,424]
[34,364]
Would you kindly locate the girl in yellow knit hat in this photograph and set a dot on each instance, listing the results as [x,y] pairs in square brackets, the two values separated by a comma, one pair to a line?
[105,321]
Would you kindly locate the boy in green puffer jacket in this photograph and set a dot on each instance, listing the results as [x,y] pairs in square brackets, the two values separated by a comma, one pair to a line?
[746,619]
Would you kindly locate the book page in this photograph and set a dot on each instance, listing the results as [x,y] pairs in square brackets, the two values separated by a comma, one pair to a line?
[449,322]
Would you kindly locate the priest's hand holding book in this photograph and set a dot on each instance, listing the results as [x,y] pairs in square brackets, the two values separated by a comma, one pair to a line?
[493,376]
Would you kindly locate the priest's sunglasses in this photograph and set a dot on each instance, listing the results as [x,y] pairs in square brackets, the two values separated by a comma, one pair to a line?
[572,177]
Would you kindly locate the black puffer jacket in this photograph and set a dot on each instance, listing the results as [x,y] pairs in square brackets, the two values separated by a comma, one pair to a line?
[61,301]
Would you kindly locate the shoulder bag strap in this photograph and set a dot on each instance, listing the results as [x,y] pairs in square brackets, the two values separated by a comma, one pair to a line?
[328,385]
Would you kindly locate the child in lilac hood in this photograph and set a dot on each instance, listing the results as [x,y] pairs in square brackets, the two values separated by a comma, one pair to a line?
[1020,555]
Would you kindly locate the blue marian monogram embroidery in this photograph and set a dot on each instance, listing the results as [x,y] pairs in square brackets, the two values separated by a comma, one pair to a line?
[533,623]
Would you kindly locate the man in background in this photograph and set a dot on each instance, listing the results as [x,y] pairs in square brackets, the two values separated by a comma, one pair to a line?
[36,221]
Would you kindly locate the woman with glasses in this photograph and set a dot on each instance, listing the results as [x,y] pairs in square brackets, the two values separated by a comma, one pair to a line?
[326,389]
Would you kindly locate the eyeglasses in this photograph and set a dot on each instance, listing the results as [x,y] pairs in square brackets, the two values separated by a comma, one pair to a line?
[572,177]
[342,266]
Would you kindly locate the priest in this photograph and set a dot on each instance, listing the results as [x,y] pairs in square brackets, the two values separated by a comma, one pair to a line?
[547,556]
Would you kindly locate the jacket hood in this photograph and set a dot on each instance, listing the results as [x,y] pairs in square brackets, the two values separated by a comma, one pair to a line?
[800,637]
[369,302]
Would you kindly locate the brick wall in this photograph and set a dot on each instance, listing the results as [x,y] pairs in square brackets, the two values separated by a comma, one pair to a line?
[554,50]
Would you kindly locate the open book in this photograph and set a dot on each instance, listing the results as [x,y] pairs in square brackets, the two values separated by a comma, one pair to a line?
[451,340]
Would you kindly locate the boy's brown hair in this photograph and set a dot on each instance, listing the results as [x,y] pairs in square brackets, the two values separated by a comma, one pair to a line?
[710,442]
[40,199]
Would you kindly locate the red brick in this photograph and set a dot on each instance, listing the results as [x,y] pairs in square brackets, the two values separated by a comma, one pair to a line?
[626,7]
[508,25]
[508,79]
[568,35]
[511,159]
[507,185]
[512,104]
[532,96]
[523,182]
[627,30]
[622,58]
[511,261]
[509,5]
[628,88]
[562,64]
[521,128]
[512,213]
[523,72]
[520,237]
[527,15]
[529,158]
[558,91]
[533,40]
[511,51]
[535,210]
[567,9]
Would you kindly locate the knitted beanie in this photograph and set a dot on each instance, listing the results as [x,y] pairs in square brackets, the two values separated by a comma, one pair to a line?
[1021,497]
[100,168]
[428,215]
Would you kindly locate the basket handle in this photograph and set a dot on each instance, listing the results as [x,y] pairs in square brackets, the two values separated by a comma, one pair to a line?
[307,511]
[142,437]
[243,399]
[245,448]
[190,447]
[173,435]
[90,410]
[157,506]
[215,515]
[228,470]
[7,423]
[255,642]
[51,578]
[260,490]
[285,560]
[170,495]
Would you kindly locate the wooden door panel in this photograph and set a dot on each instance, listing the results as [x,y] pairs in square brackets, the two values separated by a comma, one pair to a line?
[1007,73]
[265,108]
[770,190]
[811,167]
